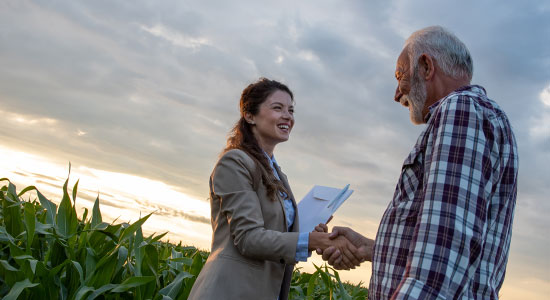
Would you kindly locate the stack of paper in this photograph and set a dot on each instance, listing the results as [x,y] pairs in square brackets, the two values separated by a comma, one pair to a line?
[319,204]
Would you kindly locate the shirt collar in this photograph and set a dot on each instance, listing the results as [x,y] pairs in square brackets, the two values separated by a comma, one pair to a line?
[271,159]
[472,88]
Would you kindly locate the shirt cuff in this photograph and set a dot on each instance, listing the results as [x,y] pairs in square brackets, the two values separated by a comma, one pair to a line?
[301,247]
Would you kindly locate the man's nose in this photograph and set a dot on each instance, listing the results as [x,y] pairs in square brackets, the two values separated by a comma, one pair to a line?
[398,94]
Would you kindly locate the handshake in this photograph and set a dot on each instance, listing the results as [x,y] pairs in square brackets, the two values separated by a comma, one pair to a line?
[343,248]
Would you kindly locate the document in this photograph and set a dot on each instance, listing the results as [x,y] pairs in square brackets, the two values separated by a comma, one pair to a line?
[319,204]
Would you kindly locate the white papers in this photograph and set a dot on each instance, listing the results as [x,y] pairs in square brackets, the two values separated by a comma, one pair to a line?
[319,204]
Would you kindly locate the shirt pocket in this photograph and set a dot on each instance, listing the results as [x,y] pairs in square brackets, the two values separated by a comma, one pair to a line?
[409,187]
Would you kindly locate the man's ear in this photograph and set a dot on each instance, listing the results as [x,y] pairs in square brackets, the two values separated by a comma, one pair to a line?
[427,66]
[249,118]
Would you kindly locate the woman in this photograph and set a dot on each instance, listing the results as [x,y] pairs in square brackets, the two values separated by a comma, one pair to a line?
[256,239]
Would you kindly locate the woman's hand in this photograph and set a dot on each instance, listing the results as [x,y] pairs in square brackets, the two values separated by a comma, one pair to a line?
[322,227]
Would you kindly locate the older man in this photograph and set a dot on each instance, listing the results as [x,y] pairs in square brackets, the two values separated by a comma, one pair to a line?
[446,233]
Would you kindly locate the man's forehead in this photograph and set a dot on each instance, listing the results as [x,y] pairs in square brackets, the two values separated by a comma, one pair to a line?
[403,57]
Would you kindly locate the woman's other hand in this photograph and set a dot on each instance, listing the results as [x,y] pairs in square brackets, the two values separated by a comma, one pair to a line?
[322,228]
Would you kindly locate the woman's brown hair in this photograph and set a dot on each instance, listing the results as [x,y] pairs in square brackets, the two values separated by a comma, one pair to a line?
[241,136]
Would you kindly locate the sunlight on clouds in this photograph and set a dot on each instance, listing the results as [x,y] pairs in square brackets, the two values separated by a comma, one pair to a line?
[541,129]
[123,196]
[216,122]
[175,37]
[145,189]
[26,120]
[308,55]
[545,96]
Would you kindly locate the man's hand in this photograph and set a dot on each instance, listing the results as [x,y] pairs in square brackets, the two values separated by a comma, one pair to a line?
[334,255]
[320,240]
[348,258]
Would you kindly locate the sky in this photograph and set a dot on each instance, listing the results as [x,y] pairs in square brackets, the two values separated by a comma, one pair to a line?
[139,97]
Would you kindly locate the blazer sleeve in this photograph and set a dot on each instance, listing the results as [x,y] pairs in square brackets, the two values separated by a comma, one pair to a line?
[232,182]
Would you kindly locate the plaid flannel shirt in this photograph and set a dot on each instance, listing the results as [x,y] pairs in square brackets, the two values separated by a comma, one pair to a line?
[447,232]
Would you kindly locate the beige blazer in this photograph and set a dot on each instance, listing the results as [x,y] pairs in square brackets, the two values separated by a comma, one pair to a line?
[252,254]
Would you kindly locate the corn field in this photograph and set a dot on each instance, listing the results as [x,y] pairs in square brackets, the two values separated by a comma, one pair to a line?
[47,252]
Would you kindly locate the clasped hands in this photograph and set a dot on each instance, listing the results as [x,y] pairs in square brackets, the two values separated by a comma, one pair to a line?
[343,248]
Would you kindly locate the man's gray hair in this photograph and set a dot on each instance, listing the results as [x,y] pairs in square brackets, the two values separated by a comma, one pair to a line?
[450,53]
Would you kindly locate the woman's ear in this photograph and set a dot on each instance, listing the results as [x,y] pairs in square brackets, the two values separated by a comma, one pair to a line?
[249,118]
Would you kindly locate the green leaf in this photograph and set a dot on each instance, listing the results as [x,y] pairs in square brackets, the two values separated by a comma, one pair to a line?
[130,230]
[78,267]
[194,270]
[343,293]
[174,287]
[122,257]
[75,188]
[29,188]
[18,288]
[82,292]
[96,213]
[151,259]
[91,262]
[58,268]
[311,285]
[133,282]
[84,215]
[12,212]
[185,260]
[104,270]
[158,237]
[5,236]
[197,264]
[30,223]
[101,290]
[12,191]
[50,207]
[32,265]
[43,228]
[7,266]
[66,215]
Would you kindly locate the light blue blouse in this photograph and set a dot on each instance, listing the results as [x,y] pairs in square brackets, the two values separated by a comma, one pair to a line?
[302,252]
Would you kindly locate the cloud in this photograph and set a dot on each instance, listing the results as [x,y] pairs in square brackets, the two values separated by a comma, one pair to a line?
[152,89]
[176,38]
[544,96]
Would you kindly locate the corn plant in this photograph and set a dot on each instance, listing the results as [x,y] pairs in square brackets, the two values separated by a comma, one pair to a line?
[47,252]
[324,283]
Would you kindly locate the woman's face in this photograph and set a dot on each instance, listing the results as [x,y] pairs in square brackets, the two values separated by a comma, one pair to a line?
[274,121]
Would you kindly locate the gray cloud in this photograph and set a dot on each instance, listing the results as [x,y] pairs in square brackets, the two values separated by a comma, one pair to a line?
[151,89]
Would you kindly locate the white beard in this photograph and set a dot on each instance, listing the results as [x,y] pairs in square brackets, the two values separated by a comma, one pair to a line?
[416,98]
